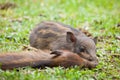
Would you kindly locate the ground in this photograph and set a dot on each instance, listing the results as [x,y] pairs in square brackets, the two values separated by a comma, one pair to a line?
[100,17]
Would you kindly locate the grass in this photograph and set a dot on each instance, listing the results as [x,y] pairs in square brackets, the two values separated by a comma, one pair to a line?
[100,16]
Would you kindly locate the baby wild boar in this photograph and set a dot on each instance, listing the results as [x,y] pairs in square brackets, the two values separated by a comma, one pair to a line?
[57,36]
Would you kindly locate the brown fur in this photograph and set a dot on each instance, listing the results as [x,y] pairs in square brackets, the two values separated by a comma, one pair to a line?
[25,58]
[40,59]
[67,59]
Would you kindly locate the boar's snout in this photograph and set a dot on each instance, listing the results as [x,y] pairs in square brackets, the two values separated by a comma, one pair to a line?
[95,60]
[94,63]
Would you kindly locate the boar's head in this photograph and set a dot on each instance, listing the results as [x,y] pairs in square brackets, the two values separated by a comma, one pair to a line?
[83,46]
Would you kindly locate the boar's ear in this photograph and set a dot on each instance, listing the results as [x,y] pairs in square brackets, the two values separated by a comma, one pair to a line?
[70,37]
[95,39]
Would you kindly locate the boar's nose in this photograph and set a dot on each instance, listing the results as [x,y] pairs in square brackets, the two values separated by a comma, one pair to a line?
[95,64]
[95,61]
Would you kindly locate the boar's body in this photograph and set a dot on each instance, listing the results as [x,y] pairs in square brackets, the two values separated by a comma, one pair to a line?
[57,36]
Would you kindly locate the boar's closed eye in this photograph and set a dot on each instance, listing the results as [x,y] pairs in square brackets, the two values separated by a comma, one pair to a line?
[81,49]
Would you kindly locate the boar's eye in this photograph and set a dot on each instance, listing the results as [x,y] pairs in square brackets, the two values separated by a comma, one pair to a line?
[81,49]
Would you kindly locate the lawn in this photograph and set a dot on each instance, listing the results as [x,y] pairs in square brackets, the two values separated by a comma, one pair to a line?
[100,17]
